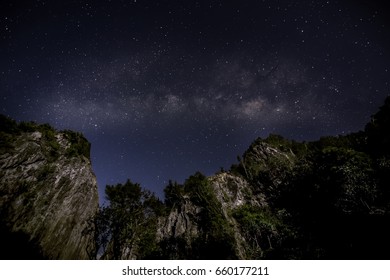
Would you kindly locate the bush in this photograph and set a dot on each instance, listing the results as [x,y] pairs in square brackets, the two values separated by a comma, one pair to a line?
[128,225]
[28,126]
[79,146]
[262,229]
[8,125]
[173,193]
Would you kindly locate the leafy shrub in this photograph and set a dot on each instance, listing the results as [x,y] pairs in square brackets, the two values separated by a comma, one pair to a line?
[173,193]
[378,132]
[261,229]
[47,131]
[28,126]
[8,125]
[79,146]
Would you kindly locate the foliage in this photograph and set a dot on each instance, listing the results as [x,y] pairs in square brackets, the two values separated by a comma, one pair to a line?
[378,132]
[285,145]
[8,125]
[127,226]
[267,158]
[175,248]
[8,128]
[355,141]
[216,239]
[28,126]
[262,229]
[79,146]
[349,173]
[328,195]
[173,194]
[335,192]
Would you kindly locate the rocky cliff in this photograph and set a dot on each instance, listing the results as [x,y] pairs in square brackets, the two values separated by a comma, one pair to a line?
[48,192]
[225,216]
[210,222]
[327,199]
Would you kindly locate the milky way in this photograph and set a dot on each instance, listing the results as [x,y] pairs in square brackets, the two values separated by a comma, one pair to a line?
[165,88]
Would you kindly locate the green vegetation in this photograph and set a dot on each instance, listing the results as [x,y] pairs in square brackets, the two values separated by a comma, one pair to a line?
[79,146]
[8,125]
[264,231]
[128,225]
[174,193]
[378,132]
[10,130]
[216,240]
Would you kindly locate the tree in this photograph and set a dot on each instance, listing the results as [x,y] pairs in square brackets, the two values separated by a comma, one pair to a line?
[216,238]
[126,228]
[378,132]
[173,193]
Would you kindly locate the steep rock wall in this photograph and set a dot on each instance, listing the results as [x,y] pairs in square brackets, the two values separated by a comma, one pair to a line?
[48,190]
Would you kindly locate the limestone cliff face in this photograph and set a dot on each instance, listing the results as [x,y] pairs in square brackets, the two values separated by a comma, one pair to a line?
[180,222]
[234,192]
[225,216]
[237,204]
[267,164]
[48,190]
[184,221]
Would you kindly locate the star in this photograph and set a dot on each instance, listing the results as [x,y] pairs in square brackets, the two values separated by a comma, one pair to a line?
[182,87]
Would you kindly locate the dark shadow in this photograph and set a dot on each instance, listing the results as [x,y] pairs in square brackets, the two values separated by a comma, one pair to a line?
[18,246]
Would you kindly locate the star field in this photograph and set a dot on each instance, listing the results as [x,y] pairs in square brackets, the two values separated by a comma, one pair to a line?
[165,88]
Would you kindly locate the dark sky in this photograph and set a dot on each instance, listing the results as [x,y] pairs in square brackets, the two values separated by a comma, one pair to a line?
[166,88]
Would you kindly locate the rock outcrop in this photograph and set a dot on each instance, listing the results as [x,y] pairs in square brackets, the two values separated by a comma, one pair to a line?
[185,221]
[48,191]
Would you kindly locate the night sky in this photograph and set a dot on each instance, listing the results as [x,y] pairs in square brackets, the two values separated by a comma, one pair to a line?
[166,88]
